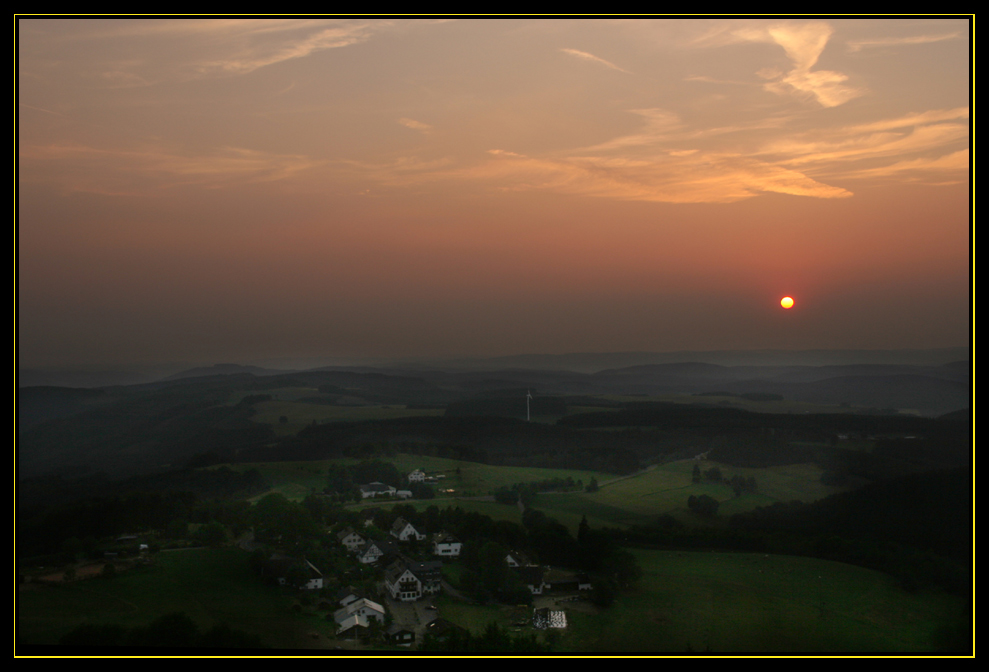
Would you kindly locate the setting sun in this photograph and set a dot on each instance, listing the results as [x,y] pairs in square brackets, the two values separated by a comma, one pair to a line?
[786,302]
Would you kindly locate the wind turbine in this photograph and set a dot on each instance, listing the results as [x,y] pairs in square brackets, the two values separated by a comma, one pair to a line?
[528,396]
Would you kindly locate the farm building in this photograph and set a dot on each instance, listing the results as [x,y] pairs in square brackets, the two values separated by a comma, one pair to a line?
[549,618]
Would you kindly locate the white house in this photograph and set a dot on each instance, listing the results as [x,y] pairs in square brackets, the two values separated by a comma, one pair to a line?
[409,581]
[352,627]
[346,596]
[315,577]
[402,583]
[403,530]
[376,489]
[369,552]
[446,545]
[417,476]
[350,539]
[364,608]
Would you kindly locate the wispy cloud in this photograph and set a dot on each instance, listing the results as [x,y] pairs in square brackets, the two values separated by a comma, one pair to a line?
[660,125]
[668,160]
[591,57]
[415,125]
[668,177]
[912,119]
[950,168]
[803,44]
[912,135]
[214,47]
[146,169]
[671,178]
[269,44]
[858,45]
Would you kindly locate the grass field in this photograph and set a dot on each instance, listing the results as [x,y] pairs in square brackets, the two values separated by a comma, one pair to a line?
[665,489]
[210,585]
[619,502]
[755,603]
[741,603]
[721,602]
[297,479]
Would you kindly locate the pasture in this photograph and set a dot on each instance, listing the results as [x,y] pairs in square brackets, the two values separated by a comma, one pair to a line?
[665,488]
[740,603]
[212,586]
[752,603]
[295,480]
[620,501]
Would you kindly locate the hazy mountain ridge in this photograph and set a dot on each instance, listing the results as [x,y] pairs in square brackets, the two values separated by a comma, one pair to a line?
[169,421]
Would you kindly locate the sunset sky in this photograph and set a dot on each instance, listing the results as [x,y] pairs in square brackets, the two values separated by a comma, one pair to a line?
[237,190]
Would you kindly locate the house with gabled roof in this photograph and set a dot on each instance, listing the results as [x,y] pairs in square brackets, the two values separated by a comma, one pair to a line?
[409,581]
[345,596]
[350,539]
[417,476]
[352,627]
[400,636]
[441,629]
[402,583]
[446,545]
[363,607]
[430,575]
[403,530]
[372,551]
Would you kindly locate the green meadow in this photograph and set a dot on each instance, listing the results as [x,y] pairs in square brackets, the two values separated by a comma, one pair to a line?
[467,479]
[741,603]
[665,489]
[211,586]
[619,502]
[721,602]
[750,603]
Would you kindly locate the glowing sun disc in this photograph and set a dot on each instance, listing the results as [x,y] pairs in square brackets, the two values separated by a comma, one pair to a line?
[786,302]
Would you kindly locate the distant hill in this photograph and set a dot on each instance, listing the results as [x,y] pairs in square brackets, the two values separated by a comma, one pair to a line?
[930,390]
[591,362]
[224,370]
[171,421]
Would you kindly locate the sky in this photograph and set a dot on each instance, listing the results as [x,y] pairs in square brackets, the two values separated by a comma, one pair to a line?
[245,190]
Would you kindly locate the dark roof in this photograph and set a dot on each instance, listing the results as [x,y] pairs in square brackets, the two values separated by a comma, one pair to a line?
[395,629]
[441,628]
[445,538]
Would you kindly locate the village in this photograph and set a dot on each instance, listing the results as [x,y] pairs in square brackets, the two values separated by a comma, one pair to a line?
[401,570]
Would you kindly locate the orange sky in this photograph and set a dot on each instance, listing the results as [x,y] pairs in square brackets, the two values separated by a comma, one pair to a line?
[244,190]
